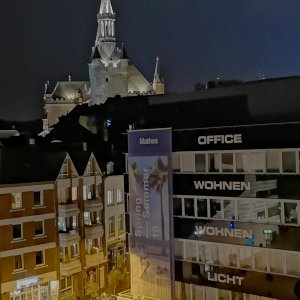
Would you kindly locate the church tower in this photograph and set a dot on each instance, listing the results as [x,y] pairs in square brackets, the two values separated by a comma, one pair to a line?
[108,70]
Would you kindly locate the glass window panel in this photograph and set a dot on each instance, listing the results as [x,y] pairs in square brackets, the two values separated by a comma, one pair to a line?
[244,209]
[215,208]
[245,257]
[188,162]
[202,208]
[227,162]
[276,261]
[229,209]
[17,231]
[200,163]
[289,162]
[191,251]
[258,210]
[273,161]
[237,296]
[19,262]
[38,198]
[189,207]
[212,254]
[229,255]
[39,258]
[177,206]
[214,162]
[176,162]
[250,162]
[260,259]
[178,249]
[39,228]
[274,211]
[201,252]
[224,295]
[291,213]
[292,263]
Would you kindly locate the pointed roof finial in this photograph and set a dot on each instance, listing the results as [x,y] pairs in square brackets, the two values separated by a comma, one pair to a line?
[106,8]
[70,78]
[156,78]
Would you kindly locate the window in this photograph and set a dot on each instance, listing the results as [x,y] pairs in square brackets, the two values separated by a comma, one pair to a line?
[189,207]
[291,213]
[202,208]
[119,196]
[39,258]
[74,193]
[16,200]
[177,206]
[19,262]
[176,162]
[293,263]
[250,162]
[200,163]
[66,284]
[39,228]
[89,192]
[89,168]
[274,210]
[74,250]
[273,162]
[64,170]
[111,223]
[214,162]
[87,218]
[121,222]
[17,232]
[289,162]
[62,226]
[215,209]
[188,162]
[276,261]
[110,200]
[229,209]
[260,259]
[38,199]
[227,162]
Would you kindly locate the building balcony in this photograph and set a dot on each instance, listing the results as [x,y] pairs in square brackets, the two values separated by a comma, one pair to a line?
[93,205]
[68,237]
[69,267]
[94,231]
[95,258]
[67,210]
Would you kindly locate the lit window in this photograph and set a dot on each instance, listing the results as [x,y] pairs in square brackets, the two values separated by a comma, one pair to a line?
[121,223]
[66,284]
[39,228]
[110,199]
[39,258]
[62,226]
[74,193]
[87,218]
[74,250]
[89,169]
[17,232]
[38,198]
[19,262]
[119,196]
[111,223]
[16,200]
[64,170]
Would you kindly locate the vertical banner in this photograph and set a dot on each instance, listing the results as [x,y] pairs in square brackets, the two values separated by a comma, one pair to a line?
[150,208]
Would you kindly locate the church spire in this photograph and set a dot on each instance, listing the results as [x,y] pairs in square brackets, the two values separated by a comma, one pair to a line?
[106,23]
[158,85]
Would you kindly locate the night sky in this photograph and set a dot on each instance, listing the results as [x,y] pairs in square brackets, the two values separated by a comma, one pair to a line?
[197,40]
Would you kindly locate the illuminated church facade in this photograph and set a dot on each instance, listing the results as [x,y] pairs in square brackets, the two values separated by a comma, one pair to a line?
[110,71]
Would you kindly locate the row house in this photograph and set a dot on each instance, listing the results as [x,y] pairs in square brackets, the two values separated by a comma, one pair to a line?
[53,224]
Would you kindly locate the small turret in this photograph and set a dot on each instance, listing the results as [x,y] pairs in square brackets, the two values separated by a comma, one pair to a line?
[158,84]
